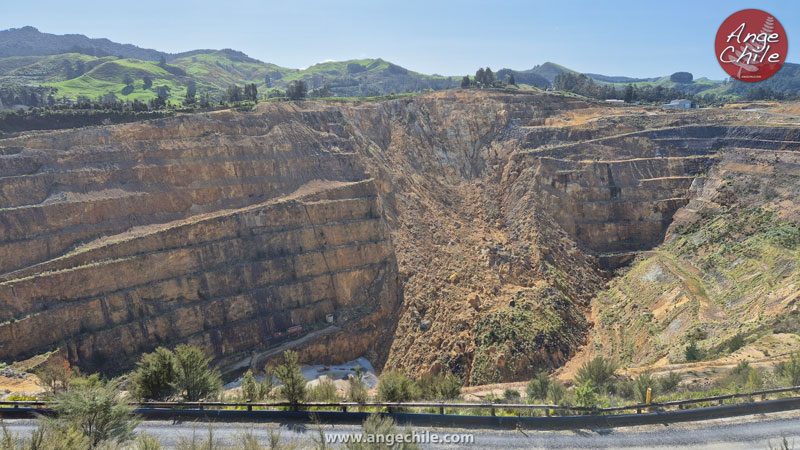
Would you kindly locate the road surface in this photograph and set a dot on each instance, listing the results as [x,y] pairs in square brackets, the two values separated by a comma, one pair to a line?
[748,432]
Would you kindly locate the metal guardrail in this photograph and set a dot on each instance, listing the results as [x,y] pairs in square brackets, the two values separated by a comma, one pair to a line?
[343,406]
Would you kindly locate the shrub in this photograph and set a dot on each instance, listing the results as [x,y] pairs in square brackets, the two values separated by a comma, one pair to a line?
[378,426]
[791,370]
[586,395]
[511,395]
[253,390]
[395,386]
[449,387]
[693,353]
[598,372]
[622,387]
[323,391]
[49,435]
[643,382]
[439,387]
[538,387]
[97,411]
[556,392]
[155,375]
[194,379]
[669,382]
[736,342]
[358,391]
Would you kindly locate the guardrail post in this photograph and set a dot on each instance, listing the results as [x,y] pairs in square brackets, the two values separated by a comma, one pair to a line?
[492,408]
[344,408]
[547,412]
[249,407]
[441,410]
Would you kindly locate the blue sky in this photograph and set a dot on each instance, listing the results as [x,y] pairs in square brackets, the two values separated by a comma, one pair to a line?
[633,38]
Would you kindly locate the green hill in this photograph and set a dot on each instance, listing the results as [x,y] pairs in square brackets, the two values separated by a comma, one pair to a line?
[75,74]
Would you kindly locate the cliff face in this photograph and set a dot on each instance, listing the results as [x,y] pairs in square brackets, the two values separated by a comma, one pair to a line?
[461,231]
[222,230]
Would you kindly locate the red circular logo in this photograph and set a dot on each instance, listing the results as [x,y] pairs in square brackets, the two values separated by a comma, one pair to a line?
[751,45]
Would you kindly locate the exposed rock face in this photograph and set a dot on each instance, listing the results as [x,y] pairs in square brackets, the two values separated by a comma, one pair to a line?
[460,231]
[220,230]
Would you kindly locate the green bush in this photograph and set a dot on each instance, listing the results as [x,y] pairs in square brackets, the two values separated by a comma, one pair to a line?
[736,342]
[253,390]
[556,393]
[598,372]
[439,387]
[155,375]
[791,370]
[586,395]
[694,353]
[395,386]
[323,391]
[538,387]
[194,380]
[669,382]
[375,426]
[511,395]
[643,382]
[97,411]
[358,391]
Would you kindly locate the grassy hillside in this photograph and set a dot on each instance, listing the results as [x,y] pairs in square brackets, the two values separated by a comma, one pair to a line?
[75,74]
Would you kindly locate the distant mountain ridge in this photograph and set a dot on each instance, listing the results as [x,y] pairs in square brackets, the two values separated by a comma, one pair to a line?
[36,65]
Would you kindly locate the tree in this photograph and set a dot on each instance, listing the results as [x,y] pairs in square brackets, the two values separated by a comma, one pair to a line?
[511,80]
[480,77]
[155,375]
[488,77]
[205,101]
[395,386]
[147,82]
[191,92]
[293,387]
[465,82]
[234,94]
[267,81]
[128,80]
[681,77]
[628,94]
[97,410]
[251,92]
[194,380]
[162,62]
[54,377]
[296,90]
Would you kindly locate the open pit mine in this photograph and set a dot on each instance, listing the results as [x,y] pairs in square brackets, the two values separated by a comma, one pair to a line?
[462,231]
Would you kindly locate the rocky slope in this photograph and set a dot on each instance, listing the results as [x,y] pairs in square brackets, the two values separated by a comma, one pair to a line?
[461,231]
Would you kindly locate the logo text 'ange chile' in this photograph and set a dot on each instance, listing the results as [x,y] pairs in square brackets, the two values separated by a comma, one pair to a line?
[751,45]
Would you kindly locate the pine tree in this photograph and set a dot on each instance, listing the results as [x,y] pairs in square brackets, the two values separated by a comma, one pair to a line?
[465,82]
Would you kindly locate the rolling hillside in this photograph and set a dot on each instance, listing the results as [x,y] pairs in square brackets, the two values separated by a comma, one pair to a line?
[35,66]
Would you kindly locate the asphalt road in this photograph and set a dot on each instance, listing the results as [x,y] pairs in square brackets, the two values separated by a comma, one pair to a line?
[748,432]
